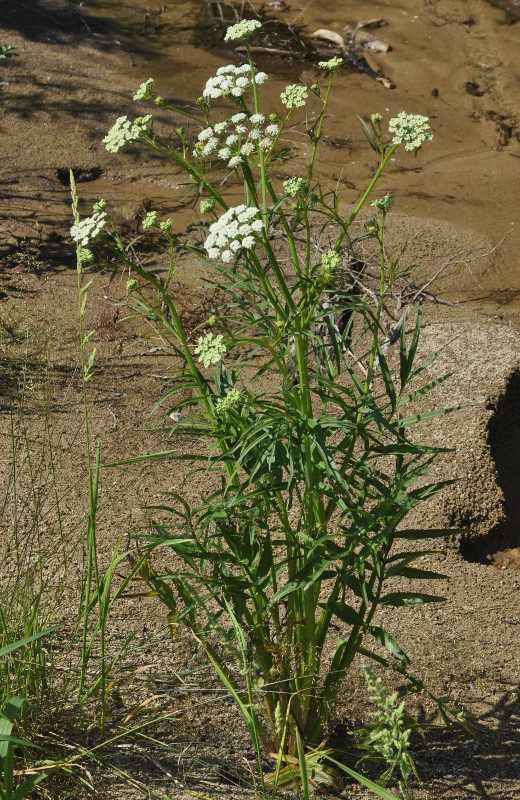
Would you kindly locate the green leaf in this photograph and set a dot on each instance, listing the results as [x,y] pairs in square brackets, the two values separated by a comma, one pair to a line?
[409,398]
[413,573]
[409,599]
[407,557]
[431,415]
[407,358]
[21,642]
[380,791]
[387,378]
[27,786]
[433,533]
[383,638]
[344,612]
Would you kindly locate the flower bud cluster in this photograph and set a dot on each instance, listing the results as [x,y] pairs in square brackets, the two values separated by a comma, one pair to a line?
[150,221]
[206,206]
[384,204]
[231,81]
[413,129]
[235,230]
[293,186]
[123,132]
[223,404]
[330,260]
[236,138]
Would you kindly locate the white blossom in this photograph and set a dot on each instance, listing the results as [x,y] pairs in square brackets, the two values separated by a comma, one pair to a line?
[123,132]
[205,134]
[229,80]
[87,230]
[145,90]
[242,30]
[210,349]
[294,96]
[413,129]
[232,232]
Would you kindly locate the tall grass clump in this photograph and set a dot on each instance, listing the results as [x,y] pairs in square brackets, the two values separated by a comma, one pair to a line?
[300,421]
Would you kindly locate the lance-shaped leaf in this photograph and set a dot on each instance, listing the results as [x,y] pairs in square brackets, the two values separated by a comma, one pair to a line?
[409,599]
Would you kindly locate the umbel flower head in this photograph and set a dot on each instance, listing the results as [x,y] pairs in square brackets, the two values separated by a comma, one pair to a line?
[412,129]
[233,397]
[294,96]
[236,138]
[231,81]
[242,30]
[332,64]
[384,204]
[87,230]
[123,132]
[210,349]
[145,90]
[150,221]
[233,231]
[293,186]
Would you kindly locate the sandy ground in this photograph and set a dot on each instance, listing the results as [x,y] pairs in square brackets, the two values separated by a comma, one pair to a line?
[77,68]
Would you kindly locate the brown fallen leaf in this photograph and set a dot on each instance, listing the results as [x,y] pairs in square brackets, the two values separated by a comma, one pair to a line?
[506,558]
[387,83]
[329,36]
[376,22]
[366,39]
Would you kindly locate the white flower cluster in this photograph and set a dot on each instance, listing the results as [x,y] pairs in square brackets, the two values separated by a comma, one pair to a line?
[242,30]
[413,129]
[87,230]
[210,349]
[332,64]
[145,90]
[231,81]
[233,231]
[294,96]
[236,138]
[123,131]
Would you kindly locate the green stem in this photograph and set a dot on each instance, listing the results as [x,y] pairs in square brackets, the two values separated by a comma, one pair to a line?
[366,194]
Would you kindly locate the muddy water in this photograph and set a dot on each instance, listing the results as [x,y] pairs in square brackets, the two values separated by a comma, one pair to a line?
[457,62]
